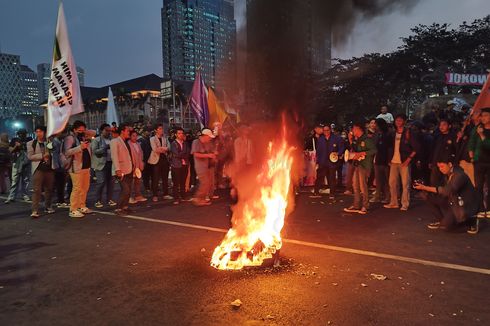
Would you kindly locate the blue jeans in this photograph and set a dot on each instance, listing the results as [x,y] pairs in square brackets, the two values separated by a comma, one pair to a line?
[20,180]
[104,179]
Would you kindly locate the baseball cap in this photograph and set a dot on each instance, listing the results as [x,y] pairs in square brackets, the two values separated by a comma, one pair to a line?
[207,132]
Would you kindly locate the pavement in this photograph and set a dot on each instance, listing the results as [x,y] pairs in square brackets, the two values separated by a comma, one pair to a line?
[152,268]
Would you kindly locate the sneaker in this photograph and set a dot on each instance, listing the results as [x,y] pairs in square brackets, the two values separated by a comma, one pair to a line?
[8,201]
[85,210]
[434,225]
[62,205]
[111,203]
[215,197]
[176,202]
[34,214]
[186,199]
[391,206]
[76,214]
[363,211]
[167,197]
[473,229]
[132,200]
[49,210]
[351,209]
[324,191]
[26,198]
[404,209]
[141,199]
[98,205]
[154,199]
[207,199]
[347,192]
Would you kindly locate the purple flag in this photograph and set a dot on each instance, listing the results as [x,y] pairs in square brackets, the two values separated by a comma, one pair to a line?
[199,100]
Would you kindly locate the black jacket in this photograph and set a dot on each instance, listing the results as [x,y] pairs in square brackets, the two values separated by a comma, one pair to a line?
[444,147]
[383,145]
[408,144]
[458,189]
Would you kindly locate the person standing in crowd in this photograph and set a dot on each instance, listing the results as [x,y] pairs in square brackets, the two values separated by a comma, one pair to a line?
[179,165]
[243,147]
[42,171]
[122,167]
[77,150]
[402,150]
[444,146]
[340,165]
[381,163]
[462,144]
[59,170]
[159,162]
[138,166]
[102,165]
[328,151]
[144,141]
[203,155]
[420,164]
[21,167]
[479,151]
[385,115]
[349,166]
[453,202]
[363,150]
[5,162]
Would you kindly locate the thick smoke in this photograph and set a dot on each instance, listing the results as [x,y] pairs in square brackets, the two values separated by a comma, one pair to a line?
[280,67]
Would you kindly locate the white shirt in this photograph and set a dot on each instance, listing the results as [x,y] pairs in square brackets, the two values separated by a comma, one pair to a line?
[388,117]
[396,153]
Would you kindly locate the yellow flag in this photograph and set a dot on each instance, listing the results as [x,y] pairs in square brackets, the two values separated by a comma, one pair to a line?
[216,112]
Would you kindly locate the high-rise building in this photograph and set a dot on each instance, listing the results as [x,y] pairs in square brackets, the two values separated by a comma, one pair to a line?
[199,33]
[10,86]
[30,94]
[288,43]
[44,74]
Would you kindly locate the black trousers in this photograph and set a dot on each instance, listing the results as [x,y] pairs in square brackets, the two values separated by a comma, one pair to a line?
[441,209]
[125,183]
[179,177]
[482,176]
[59,185]
[146,175]
[160,171]
[329,172]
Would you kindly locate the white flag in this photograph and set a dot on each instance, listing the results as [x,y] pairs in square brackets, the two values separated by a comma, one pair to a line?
[111,114]
[64,97]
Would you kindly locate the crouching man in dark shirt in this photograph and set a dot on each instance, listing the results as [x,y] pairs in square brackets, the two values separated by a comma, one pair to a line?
[454,202]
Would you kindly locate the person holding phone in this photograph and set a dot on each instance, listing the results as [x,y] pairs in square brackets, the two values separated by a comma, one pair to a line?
[455,201]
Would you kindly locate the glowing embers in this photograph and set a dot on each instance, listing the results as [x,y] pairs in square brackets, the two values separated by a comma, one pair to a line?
[255,237]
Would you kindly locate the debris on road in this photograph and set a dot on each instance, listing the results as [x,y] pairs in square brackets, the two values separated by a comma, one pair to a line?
[379,277]
[203,249]
[236,304]
[335,284]
[432,315]
[364,285]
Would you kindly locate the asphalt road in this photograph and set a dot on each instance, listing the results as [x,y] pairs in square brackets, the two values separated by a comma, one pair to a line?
[109,270]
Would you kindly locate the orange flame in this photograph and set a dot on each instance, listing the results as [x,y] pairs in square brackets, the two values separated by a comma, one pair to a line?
[256,235]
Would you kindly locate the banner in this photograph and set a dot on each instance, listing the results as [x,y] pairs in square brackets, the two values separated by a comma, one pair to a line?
[199,101]
[64,97]
[111,114]
[465,79]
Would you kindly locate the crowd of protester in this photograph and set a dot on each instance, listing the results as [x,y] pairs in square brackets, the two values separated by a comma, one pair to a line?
[443,159]
[138,158]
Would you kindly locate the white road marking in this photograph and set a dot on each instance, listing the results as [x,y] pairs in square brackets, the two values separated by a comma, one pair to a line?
[315,245]
[324,246]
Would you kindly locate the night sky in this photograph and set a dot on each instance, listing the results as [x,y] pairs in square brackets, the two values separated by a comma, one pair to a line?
[115,40]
